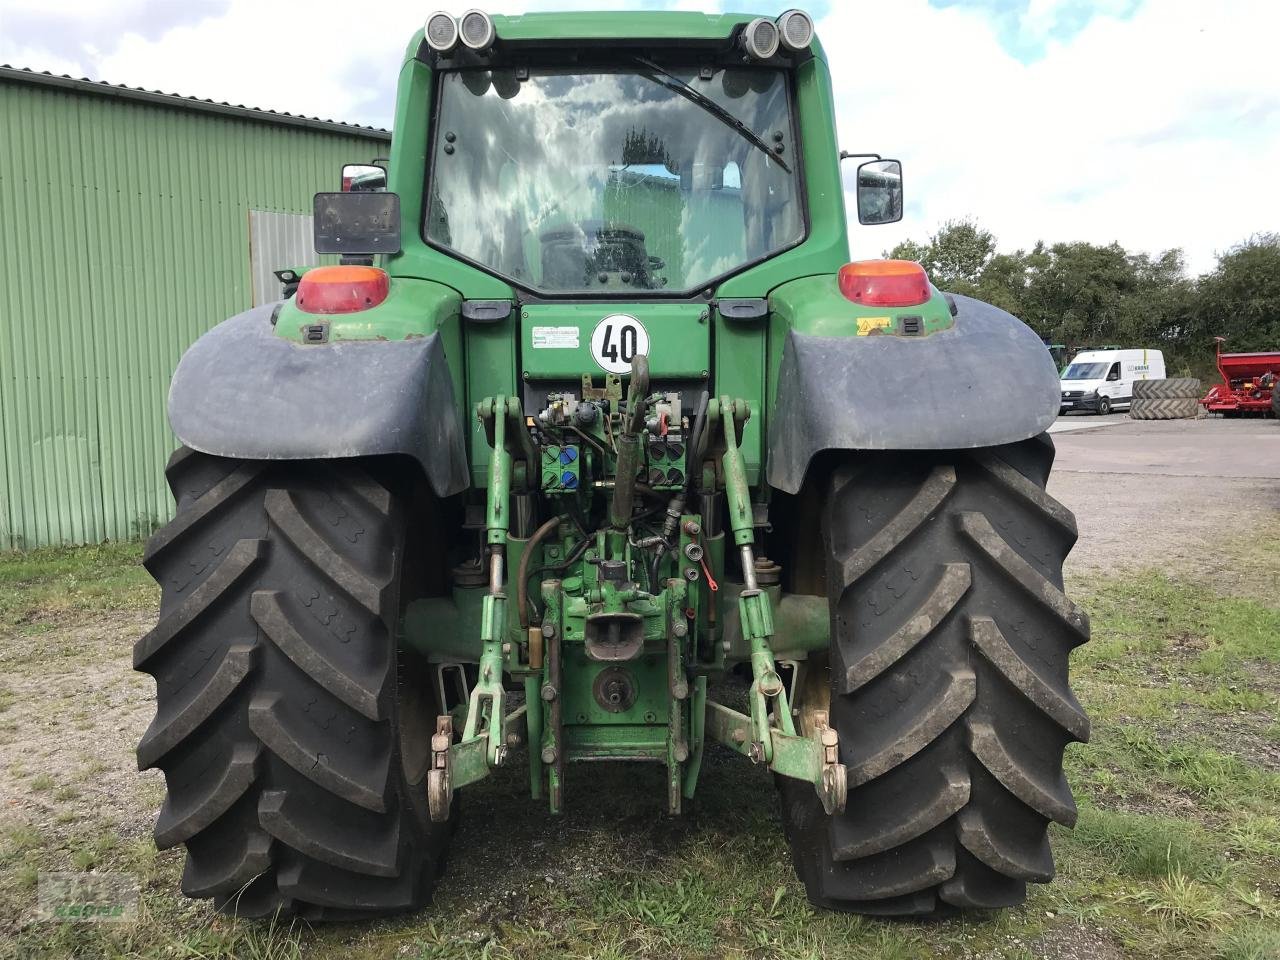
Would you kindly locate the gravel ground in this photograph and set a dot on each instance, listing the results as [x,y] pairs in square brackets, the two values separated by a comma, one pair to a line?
[1171,494]
[80,714]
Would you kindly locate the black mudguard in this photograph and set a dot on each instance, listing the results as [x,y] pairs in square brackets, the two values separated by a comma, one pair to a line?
[986,380]
[241,391]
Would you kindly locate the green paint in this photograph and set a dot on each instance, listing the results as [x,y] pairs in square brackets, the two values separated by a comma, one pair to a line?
[816,307]
[680,334]
[561,468]
[498,498]
[446,628]
[741,355]
[485,720]
[469,760]
[697,736]
[801,624]
[736,487]
[791,756]
[679,339]
[534,719]
[413,308]
[490,369]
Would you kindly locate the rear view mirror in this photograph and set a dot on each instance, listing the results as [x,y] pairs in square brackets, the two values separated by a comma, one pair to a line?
[357,223]
[880,192]
[363,178]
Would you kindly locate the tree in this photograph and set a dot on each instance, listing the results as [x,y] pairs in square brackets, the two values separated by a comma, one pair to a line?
[958,253]
[954,257]
[910,250]
[1086,294]
[1240,298]
[1003,282]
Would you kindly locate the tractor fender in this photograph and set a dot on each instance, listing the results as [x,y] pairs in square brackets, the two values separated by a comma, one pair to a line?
[241,391]
[985,380]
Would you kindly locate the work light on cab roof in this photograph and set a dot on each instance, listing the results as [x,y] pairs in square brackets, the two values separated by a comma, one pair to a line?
[760,38]
[795,30]
[441,32]
[474,30]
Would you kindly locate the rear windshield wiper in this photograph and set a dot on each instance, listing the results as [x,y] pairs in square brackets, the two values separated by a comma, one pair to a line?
[675,84]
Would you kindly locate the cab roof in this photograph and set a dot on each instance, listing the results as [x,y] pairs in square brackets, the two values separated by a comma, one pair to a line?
[619,25]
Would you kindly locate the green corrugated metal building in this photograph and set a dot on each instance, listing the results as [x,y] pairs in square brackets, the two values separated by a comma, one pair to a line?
[130,223]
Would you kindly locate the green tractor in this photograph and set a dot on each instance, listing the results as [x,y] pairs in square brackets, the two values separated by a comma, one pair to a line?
[613,456]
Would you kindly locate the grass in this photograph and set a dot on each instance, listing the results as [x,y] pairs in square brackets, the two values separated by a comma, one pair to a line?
[1145,846]
[1149,613]
[54,580]
[41,782]
[1176,853]
[1251,942]
[1176,901]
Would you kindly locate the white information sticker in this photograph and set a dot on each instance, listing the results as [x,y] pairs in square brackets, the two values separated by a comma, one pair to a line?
[555,338]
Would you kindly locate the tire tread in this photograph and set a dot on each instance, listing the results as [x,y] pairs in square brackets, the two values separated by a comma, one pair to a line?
[951,635]
[1171,408]
[277,706]
[1167,388]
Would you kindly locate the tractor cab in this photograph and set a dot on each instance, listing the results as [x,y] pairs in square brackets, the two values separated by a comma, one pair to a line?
[590,156]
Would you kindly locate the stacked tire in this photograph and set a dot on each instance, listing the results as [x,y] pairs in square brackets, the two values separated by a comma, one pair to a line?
[1173,398]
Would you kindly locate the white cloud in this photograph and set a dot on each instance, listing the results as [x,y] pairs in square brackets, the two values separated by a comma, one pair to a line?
[1041,17]
[1159,130]
[327,58]
[41,60]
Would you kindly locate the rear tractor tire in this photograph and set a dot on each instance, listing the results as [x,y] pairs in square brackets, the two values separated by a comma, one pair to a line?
[294,736]
[1177,408]
[947,683]
[1167,388]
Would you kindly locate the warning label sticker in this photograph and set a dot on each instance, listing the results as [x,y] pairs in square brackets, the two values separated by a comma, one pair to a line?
[869,325]
[555,338]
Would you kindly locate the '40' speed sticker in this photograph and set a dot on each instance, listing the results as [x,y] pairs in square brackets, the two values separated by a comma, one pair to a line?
[617,340]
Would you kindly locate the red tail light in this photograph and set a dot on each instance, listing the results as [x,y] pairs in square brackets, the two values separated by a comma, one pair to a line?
[342,289]
[884,283]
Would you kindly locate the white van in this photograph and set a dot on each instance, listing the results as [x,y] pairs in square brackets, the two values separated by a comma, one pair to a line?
[1102,380]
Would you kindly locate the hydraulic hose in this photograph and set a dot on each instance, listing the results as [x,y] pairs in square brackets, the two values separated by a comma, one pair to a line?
[522,571]
[624,483]
[694,475]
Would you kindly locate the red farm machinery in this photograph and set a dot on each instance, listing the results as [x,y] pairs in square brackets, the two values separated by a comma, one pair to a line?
[1248,383]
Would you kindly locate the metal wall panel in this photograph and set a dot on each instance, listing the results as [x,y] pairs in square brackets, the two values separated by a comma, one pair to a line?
[124,235]
[277,241]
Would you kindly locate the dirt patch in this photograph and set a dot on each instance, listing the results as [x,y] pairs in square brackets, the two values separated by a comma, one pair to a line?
[1180,525]
[72,723]
[1234,735]
[1076,942]
[1195,498]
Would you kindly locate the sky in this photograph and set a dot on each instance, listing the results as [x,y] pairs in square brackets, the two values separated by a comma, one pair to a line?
[1152,123]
